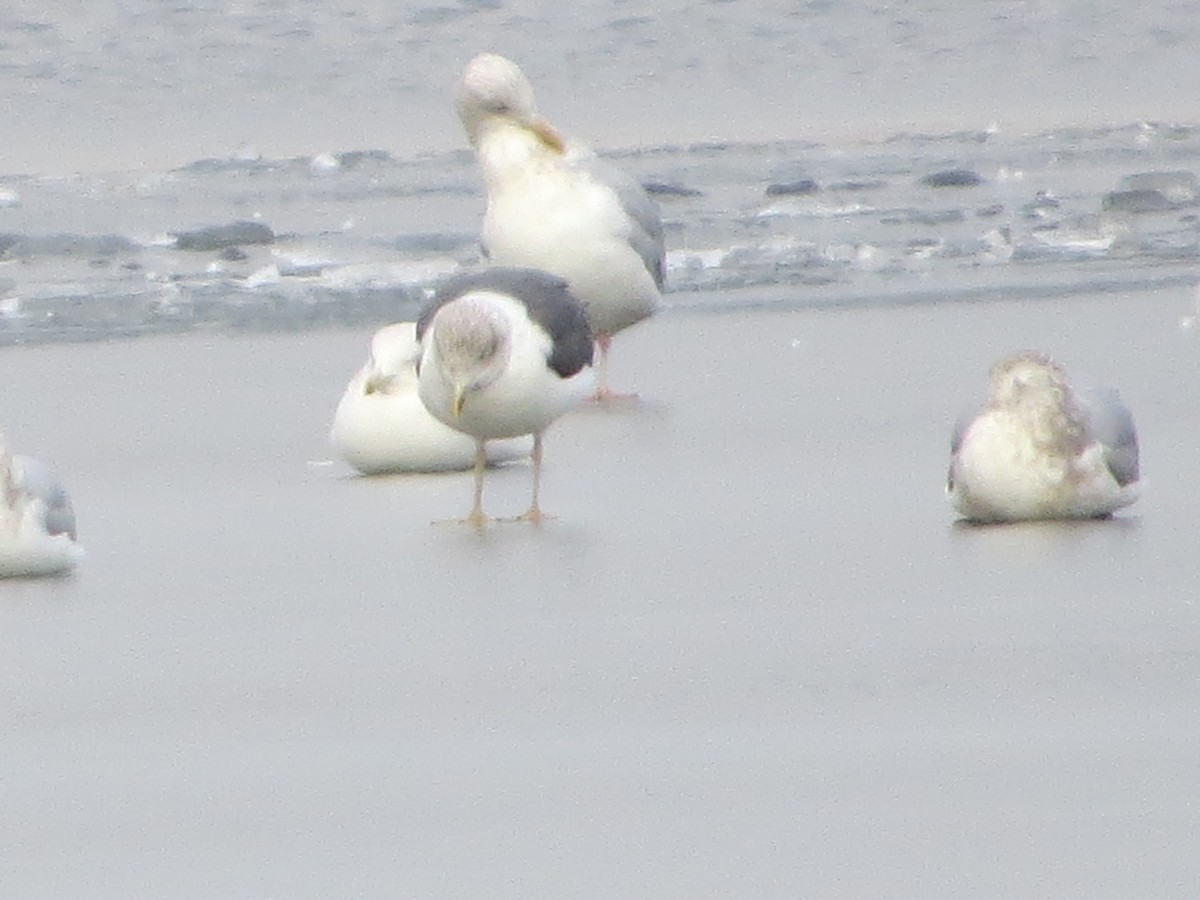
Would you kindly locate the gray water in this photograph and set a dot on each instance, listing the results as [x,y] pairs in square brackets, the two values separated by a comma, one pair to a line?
[332,126]
[754,656]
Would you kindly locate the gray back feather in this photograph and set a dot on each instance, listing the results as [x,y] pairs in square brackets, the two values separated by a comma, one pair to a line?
[547,301]
[1111,424]
[961,424]
[646,237]
[39,479]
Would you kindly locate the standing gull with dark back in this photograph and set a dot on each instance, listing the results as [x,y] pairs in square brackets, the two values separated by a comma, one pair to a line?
[504,353]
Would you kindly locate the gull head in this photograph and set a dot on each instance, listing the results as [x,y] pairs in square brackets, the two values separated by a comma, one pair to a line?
[393,358]
[1026,378]
[472,342]
[1036,390]
[494,91]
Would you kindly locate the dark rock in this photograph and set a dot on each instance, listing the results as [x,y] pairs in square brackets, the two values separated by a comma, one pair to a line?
[1179,187]
[352,159]
[1136,202]
[667,189]
[233,254]
[217,237]
[792,188]
[952,178]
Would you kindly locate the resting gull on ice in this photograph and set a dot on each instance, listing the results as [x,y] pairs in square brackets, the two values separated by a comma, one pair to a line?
[1039,450]
[381,425]
[504,353]
[560,208]
[37,521]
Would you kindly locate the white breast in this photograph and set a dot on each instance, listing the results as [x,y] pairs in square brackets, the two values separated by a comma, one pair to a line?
[551,214]
[1001,473]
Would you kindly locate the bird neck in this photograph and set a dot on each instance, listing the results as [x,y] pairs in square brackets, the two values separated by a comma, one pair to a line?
[507,150]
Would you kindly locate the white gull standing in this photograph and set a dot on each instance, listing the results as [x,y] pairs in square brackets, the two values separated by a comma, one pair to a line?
[37,520]
[559,207]
[505,352]
[1039,450]
[381,425]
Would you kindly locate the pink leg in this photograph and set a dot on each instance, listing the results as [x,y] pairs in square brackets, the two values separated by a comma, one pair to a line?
[603,342]
[476,516]
[603,393]
[534,513]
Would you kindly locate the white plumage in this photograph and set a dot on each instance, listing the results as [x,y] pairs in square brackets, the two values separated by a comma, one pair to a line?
[37,520]
[381,425]
[1039,450]
[558,207]
[505,352]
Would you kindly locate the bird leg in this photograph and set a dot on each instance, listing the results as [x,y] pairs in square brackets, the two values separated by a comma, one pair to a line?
[604,395]
[476,517]
[534,514]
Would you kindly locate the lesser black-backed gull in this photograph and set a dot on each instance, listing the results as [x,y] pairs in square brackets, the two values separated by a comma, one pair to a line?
[505,352]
